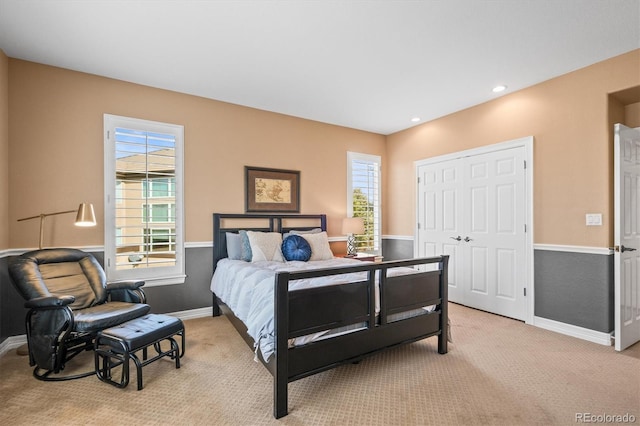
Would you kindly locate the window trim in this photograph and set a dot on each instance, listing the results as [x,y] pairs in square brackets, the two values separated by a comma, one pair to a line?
[152,276]
[370,158]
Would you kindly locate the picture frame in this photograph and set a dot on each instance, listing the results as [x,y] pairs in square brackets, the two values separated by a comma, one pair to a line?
[271,190]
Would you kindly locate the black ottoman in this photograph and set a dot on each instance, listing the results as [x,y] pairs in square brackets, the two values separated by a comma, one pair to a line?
[116,345]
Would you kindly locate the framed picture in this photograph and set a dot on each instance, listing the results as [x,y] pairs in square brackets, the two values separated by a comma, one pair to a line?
[271,190]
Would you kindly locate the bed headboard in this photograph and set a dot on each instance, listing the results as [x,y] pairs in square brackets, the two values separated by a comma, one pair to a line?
[234,222]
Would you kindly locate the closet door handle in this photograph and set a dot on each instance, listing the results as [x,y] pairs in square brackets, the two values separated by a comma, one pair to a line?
[467,239]
[623,249]
[458,238]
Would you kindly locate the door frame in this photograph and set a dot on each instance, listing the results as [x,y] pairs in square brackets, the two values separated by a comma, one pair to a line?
[527,143]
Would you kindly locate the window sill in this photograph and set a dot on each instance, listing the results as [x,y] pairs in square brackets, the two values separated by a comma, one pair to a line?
[157,282]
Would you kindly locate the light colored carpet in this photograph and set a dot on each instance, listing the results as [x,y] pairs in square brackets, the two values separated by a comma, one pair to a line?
[497,372]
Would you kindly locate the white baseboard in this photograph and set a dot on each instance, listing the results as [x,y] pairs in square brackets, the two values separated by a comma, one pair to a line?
[11,343]
[573,331]
[15,342]
[193,313]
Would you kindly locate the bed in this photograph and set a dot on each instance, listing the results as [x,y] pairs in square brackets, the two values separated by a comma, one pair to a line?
[305,317]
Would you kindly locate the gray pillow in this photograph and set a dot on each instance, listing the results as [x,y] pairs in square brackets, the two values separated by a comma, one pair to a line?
[234,246]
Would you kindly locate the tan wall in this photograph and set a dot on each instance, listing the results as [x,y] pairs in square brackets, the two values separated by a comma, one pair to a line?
[4,151]
[56,150]
[632,115]
[572,150]
[56,142]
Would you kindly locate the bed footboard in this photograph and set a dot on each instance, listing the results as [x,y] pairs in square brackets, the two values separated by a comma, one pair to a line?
[302,312]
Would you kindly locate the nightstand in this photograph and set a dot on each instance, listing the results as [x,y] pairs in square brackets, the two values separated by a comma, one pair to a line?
[363,257]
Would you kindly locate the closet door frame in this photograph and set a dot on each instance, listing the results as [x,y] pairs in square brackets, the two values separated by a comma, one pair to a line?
[527,144]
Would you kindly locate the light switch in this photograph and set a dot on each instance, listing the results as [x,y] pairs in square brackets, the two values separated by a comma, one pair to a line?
[594,219]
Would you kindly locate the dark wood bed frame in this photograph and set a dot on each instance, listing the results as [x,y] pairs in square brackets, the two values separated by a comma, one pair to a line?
[301,312]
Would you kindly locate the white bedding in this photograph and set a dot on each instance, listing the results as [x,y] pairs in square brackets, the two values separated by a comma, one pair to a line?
[247,288]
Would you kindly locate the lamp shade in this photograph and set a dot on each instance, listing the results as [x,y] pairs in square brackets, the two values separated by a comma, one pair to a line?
[353,225]
[86,215]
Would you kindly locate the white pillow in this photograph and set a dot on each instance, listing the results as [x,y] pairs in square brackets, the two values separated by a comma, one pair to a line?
[265,246]
[319,243]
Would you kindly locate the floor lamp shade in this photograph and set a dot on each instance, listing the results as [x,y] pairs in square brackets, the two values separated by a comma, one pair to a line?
[86,216]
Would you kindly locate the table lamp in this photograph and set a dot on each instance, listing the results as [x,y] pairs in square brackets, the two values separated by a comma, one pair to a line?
[351,226]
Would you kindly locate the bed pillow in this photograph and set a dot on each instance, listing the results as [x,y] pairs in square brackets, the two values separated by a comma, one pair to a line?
[306,231]
[234,246]
[301,231]
[319,243]
[294,247]
[245,247]
[265,246]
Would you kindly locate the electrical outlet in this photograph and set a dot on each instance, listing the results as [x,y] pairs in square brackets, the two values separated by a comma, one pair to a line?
[594,219]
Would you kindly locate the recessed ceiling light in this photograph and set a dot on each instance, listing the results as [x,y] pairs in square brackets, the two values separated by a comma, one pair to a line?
[500,88]
[415,119]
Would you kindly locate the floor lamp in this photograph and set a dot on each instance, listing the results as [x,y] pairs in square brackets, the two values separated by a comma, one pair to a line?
[85,217]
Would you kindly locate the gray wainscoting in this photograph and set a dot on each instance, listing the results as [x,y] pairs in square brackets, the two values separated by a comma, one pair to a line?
[12,311]
[397,249]
[575,288]
[572,288]
[193,294]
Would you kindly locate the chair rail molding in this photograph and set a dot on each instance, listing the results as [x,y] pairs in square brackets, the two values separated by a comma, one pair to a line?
[574,249]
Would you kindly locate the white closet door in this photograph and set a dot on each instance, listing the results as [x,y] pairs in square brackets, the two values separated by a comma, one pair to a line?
[474,209]
[494,237]
[440,231]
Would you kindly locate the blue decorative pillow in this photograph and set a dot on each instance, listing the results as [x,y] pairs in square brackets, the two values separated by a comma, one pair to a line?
[245,247]
[294,247]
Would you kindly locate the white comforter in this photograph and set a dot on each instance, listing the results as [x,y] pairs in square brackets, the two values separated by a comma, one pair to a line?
[248,289]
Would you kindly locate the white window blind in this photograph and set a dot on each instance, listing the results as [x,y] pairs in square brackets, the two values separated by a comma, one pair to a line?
[364,198]
[143,203]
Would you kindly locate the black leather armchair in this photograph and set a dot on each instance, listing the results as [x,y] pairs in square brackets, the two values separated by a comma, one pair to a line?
[69,302]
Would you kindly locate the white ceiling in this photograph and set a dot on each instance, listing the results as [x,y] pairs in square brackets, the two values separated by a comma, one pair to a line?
[370,65]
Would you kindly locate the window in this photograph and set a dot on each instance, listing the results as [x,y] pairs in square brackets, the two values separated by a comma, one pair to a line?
[159,240]
[363,198]
[158,213]
[159,187]
[143,201]
[118,195]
